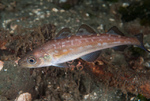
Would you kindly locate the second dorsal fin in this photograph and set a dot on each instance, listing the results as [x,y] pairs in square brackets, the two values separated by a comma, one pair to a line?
[85,30]
[65,32]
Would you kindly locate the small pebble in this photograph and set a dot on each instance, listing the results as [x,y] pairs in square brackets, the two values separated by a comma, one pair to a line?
[87,14]
[62,10]
[132,98]
[24,97]
[86,96]
[147,64]
[55,10]
[125,4]
[104,5]
[111,19]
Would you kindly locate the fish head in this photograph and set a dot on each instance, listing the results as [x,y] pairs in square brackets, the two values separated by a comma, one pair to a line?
[35,59]
[29,62]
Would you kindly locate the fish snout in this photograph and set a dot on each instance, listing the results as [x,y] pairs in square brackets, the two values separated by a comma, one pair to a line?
[20,63]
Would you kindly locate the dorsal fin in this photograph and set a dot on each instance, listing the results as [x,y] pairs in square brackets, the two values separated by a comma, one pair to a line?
[85,30]
[65,32]
[115,30]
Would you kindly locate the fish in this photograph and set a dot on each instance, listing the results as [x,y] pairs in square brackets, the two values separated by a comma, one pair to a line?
[85,44]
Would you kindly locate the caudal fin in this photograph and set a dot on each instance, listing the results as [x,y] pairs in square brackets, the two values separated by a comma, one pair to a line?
[140,38]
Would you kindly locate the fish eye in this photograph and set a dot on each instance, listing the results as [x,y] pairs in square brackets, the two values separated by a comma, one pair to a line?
[31,60]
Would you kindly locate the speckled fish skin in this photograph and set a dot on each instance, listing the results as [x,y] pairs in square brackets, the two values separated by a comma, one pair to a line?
[62,50]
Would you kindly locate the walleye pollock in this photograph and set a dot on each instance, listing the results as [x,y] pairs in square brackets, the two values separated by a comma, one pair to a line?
[58,51]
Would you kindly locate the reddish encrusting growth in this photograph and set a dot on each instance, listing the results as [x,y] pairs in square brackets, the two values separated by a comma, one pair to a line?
[128,80]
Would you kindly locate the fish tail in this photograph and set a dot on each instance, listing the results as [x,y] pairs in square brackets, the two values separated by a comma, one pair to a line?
[140,38]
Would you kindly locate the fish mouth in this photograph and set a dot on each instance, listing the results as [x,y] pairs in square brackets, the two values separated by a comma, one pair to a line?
[21,63]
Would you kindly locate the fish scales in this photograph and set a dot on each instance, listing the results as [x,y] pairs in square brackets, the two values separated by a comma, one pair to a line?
[75,41]
[85,45]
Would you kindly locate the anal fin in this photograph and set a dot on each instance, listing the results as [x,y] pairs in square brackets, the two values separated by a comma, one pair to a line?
[91,57]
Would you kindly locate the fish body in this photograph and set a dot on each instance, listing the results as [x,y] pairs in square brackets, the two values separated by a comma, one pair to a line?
[62,50]
[86,44]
